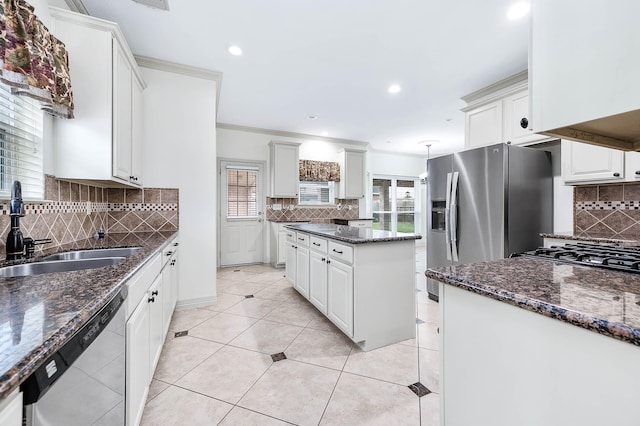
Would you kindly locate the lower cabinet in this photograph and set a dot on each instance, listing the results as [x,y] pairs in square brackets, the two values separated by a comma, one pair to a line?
[318,264]
[290,264]
[11,409]
[302,270]
[340,295]
[149,308]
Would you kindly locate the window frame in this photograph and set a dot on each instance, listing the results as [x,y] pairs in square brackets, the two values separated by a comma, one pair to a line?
[331,196]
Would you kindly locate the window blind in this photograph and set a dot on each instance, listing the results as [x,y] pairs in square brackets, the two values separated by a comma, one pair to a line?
[242,188]
[316,193]
[20,145]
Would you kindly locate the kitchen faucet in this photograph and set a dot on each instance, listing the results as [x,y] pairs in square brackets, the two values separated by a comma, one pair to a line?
[18,246]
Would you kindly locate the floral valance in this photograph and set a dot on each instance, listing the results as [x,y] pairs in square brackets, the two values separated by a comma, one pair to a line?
[319,171]
[32,61]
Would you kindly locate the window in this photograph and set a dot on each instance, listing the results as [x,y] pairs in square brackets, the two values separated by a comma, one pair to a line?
[317,193]
[242,198]
[20,145]
[394,204]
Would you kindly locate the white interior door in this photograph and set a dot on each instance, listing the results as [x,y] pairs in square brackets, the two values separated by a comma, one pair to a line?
[241,220]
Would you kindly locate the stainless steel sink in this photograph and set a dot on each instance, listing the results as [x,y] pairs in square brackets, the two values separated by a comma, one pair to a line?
[92,254]
[47,267]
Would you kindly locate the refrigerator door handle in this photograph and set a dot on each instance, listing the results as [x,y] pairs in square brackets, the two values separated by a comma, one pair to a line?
[447,210]
[454,216]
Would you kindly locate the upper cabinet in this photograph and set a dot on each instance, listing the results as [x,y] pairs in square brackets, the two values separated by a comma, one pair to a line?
[586,163]
[103,143]
[584,73]
[352,173]
[285,169]
[500,113]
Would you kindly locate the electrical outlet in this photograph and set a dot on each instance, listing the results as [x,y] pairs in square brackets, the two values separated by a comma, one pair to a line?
[276,207]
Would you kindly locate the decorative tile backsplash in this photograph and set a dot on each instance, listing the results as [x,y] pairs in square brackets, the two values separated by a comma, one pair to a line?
[74,212]
[291,211]
[609,210]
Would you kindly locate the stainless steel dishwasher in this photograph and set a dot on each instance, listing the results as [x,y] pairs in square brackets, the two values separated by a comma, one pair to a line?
[83,383]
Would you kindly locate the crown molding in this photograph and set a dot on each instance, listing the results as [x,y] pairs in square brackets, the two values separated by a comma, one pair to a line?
[174,67]
[290,134]
[77,6]
[515,82]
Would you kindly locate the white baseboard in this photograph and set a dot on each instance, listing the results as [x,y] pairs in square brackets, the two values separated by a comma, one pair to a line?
[196,303]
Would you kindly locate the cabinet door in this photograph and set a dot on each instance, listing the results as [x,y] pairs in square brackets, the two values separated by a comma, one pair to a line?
[156,330]
[122,109]
[352,174]
[285,170]
[515,110]
[340,296]
[589,163]
[632,166]
[166,299]
[282,248]
[174,281]
[138,371]
[302,271]
[11,409]
[136,133]
[290,265]
[318,280]
[483,125]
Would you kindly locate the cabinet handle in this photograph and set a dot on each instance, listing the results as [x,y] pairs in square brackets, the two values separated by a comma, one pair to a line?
[151,300]
[637,172]
[616,174]
[524,123]
[175,244]
[173,262]
[154,293]
[301,239]
[323,259]
[316,244]
[169,253]
[339,252]
[328,261]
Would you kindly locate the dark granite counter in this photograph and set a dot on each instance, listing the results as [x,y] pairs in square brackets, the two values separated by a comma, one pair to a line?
[603,301]
[38,314]
[353,235]
[288,221]
[619,239]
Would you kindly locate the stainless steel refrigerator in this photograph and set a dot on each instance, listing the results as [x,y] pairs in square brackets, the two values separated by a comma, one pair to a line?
[485,204]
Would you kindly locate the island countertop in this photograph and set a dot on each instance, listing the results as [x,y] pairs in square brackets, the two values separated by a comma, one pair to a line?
[600,300]
[352,235]
[40,313]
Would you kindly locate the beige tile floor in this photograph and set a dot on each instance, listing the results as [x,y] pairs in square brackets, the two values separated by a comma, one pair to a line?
[222,372]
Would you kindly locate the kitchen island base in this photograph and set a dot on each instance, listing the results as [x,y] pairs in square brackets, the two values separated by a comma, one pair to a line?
[503,365]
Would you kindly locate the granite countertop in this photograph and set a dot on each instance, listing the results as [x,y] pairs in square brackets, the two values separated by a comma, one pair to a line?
[39,313]
[620,239]
[289,221]
[600,300]
[353,235]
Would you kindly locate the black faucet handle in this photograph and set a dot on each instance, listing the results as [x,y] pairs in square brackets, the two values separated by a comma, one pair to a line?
[29,247]
[42,241]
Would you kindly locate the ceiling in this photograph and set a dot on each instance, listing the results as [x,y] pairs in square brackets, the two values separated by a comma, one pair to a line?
[335,59]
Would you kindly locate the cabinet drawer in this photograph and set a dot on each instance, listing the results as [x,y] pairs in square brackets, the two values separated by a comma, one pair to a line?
[140,282]
[302,239]
[341,252]
[361,223]
[319,244]
[291,236]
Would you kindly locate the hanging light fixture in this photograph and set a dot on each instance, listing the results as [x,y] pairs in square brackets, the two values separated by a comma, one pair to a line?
[423,176]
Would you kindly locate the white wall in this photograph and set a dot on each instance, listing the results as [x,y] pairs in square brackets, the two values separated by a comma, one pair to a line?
[562,194]
[180,152]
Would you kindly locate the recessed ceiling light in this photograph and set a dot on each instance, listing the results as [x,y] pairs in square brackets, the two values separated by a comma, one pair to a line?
[394,88]
[325,133]
[235,50]
[518,10]
[312,117]
[388,141]
[156,4]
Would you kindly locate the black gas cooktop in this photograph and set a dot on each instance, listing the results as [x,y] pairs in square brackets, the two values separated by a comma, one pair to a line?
[620,258]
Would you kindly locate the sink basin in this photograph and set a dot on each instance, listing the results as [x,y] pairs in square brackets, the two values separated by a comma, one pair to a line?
[47,267]
[93,254]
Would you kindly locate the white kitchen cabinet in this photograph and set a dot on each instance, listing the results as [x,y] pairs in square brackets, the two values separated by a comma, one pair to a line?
[278,245]
[11,409]
[302,264]
[583,163]
[483,125]
[340,295]
[156,329]
[285,169]
[583,80]
[102,144]
[631,166]
[352,173]
[318,264]
[500,113]
[137,376]
[291,252]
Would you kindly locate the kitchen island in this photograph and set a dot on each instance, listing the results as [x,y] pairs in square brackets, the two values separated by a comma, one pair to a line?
[527,341]
[362,279]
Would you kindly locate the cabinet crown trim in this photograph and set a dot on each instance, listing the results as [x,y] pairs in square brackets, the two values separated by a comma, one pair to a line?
[497,90]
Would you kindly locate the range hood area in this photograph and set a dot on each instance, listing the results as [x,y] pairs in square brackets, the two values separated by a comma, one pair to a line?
[619,131]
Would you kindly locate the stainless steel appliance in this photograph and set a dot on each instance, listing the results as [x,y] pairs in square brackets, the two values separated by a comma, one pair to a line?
[485,204]
[619,258]
[83,383]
